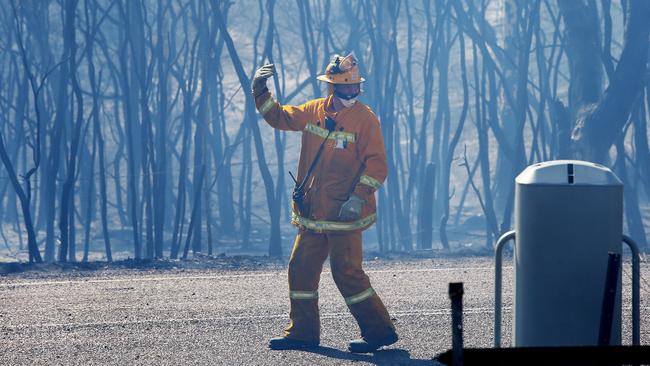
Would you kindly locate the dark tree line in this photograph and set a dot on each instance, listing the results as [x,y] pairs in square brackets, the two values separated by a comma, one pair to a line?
[132,121]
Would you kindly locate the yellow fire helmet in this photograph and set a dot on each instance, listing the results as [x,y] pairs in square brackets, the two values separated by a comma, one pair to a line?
[342,70]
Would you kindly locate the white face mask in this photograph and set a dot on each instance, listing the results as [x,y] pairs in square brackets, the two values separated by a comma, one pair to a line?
[348,103]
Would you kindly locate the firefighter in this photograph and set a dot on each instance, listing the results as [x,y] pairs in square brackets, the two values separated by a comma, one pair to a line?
[342,163]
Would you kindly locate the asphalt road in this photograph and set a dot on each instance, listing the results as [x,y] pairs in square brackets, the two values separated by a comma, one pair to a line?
[225,317]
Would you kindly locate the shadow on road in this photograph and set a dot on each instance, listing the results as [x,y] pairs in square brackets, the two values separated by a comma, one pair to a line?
[385,357]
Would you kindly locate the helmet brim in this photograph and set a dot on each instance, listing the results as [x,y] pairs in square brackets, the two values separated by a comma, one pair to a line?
[326,78]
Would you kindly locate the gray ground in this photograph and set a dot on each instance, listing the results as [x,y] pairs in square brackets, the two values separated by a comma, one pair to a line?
[225,316]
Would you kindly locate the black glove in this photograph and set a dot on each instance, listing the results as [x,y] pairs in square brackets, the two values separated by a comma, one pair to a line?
[351,209]
[259,80]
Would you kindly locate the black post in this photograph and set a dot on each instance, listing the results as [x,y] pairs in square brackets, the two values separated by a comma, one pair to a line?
[456,296]
[609,298]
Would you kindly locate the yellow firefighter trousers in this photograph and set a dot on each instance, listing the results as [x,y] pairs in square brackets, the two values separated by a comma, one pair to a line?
[345,250]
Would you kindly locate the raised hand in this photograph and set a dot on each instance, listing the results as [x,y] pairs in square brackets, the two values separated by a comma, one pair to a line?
[259,80]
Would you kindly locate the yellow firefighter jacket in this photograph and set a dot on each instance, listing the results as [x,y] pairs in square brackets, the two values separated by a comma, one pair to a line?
[353,160]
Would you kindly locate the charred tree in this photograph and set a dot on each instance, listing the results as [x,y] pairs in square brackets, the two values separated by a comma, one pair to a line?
[275,247]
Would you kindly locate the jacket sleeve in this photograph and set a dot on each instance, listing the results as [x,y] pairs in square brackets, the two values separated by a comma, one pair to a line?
[287,118]
[370,147]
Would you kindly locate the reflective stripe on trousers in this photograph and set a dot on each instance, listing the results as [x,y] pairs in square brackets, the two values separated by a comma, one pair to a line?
[357,298]
[303,295]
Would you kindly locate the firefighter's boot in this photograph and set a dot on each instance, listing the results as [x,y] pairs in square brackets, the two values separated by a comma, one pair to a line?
[365,346]
[284,343]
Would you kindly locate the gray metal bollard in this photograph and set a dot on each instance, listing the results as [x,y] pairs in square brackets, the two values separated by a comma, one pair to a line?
[568,216]
[636,296]
[498,278]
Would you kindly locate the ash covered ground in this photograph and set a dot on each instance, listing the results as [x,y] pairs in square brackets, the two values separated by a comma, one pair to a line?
[222,310]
